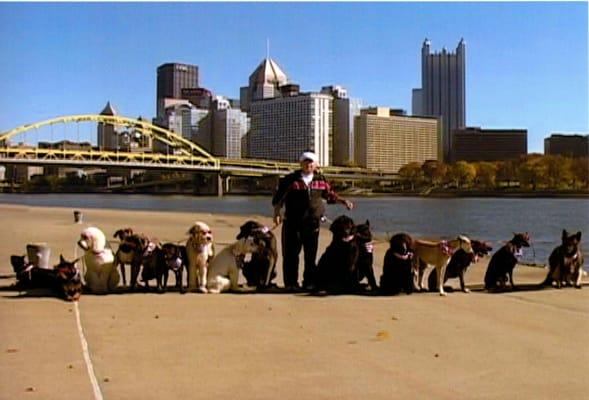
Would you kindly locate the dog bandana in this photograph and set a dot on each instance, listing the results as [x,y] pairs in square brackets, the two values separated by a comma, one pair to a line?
[446,249]
[369,246]
[175,264]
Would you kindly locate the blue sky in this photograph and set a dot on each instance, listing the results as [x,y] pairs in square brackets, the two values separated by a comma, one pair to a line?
[526,63]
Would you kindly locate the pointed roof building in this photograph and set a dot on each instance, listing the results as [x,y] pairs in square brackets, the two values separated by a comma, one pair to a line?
[264,83]
[268,72]
[108,110]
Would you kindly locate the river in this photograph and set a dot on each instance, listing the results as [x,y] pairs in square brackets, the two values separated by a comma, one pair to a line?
[491,219]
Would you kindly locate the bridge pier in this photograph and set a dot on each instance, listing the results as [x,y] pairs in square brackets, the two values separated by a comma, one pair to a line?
[223,185]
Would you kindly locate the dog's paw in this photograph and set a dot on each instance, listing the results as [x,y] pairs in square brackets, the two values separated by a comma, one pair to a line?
[466,290]
[443,294]
[203,289]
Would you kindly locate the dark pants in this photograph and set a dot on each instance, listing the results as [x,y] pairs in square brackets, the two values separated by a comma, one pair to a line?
[297,235]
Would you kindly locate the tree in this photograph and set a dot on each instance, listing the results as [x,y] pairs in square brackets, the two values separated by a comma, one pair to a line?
[558,171]
[486,174]
[533,172]
[434,172]
[580,172]
[507,171]
[411,173]
[462,173]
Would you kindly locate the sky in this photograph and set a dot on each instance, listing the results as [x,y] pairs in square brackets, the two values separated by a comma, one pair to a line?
[526,63]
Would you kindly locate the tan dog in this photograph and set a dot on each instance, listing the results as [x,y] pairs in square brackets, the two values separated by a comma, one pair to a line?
[223,271]
[101,274]
[437,254]
[199,249]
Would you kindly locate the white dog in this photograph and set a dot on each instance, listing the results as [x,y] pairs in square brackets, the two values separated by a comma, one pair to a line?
[224,267]
[101,274]
[199,250]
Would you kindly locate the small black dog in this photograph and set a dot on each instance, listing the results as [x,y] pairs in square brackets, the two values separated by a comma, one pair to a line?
[365,255]
[501,266]
[566,262]
[458,265]
[397,270]
[175,260]
[64,279]
[336,269]
[154,265]
[260,270]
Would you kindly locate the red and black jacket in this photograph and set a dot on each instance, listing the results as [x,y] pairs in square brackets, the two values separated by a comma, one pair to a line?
[302,202]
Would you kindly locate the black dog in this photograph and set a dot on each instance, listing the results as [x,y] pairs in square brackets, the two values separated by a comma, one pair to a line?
[501,266]
[336,269]
[365,256]
[566,262]
[397,270]
[458,265]
[64,279]
[260,270]
[175,259]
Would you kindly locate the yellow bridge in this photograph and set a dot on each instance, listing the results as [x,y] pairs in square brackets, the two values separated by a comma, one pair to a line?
[174,152]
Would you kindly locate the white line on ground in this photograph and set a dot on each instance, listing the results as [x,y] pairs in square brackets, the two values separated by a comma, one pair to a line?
[93,380]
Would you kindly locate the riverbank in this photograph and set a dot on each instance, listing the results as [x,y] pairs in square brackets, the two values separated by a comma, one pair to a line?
[267,346]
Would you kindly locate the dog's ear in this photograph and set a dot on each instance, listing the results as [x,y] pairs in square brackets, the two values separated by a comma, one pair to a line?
[367,223]
[565,234]
[118,233]
[61,259]
[578,236]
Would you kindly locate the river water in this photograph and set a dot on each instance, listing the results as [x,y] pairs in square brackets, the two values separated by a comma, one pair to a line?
[490,219]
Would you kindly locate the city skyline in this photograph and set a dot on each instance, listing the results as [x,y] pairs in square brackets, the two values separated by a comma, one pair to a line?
[525,66]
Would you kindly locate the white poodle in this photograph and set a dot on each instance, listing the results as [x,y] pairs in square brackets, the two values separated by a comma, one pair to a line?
[224,268]
[101,274]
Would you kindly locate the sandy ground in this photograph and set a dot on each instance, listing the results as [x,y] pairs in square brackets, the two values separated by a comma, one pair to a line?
[527,344]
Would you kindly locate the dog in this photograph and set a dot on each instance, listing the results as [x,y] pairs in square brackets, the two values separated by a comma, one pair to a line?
[566,262]
[459,263]
[223,271]
[336,269]
[260,270]
[175,260]
[200,250]
[437,254]
[101,274]
[64,279]
[502,263]
[365,261]
[69,279]
[397,269]
[133,249]
[153,264]
[128,251]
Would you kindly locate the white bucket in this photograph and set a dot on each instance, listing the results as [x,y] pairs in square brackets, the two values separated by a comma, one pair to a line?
[38,254]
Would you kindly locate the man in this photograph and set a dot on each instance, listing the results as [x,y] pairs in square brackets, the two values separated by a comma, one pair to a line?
[302,193]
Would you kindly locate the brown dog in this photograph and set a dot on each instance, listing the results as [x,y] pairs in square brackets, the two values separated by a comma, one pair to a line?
[566,262]
[132,250]
[437,254]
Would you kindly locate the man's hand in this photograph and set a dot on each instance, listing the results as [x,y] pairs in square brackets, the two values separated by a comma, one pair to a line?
[277,216]
[349,205]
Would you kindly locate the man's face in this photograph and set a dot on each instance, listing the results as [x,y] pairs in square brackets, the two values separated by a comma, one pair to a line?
[308,166]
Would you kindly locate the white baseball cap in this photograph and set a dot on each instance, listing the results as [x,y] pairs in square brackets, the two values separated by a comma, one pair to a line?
[308,155]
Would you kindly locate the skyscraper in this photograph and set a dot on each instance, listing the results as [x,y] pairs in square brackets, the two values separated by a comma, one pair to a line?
[283,127]
[264,83]
[171,79]
[386,139]
[443,90]
[107,135]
